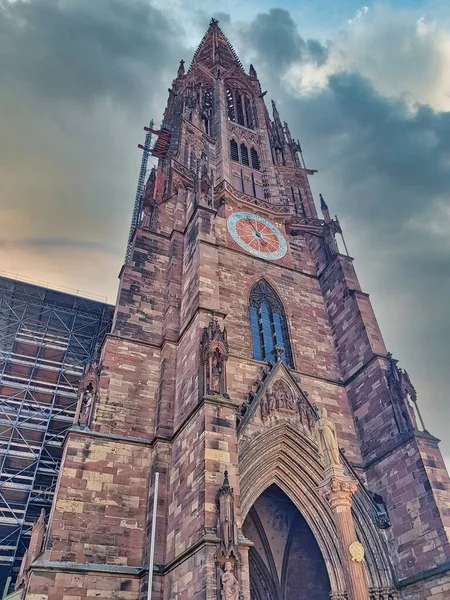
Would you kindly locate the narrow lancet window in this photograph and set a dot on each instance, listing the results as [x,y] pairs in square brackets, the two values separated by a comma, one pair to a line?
[230,106]
[255,159]
[244,155]
[239,109]
[234,151]
[268,324]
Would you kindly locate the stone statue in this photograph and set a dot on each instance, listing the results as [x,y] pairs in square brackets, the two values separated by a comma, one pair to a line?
[86,405]
[214,351]
[327,440]
[230,585]
[264,407]
[216,372]
[271,401]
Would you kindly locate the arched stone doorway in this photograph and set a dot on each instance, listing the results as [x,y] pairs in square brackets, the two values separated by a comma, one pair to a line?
[285,562]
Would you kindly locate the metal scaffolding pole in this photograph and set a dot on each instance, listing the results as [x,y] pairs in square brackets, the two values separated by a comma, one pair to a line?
[46,338]
[140,189]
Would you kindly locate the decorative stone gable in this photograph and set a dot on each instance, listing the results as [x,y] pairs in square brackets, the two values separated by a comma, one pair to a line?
[276,397]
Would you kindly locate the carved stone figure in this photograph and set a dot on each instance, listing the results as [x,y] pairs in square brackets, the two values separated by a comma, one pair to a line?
[87,392]
[86,403]
[214,351]
[283,395]
[216,371]
[264,407]
[280,396]
[404,398]
[230,585]
[327,440]
[271,401]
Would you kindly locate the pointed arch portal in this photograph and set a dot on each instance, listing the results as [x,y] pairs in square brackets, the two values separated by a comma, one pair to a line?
[285,561]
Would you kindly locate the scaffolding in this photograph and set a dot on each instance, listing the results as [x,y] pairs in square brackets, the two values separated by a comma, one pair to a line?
[46,338]
[146,149]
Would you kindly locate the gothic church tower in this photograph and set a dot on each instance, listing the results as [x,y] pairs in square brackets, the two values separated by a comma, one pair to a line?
[246,368]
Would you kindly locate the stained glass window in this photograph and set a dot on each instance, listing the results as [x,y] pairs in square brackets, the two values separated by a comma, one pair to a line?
[268,324]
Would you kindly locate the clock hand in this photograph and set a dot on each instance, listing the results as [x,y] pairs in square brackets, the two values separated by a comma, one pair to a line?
[258,233]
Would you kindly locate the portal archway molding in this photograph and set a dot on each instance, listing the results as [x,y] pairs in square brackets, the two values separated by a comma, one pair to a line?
[283,456]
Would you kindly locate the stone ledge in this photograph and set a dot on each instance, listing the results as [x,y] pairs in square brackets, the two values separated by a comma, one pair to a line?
[113,437]
[427,574]
[74,567]
[407,437]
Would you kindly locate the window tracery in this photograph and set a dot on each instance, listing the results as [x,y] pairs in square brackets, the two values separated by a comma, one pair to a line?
[240,108]
[268,324]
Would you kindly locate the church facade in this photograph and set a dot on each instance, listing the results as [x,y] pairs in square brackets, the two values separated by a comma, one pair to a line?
[245,409]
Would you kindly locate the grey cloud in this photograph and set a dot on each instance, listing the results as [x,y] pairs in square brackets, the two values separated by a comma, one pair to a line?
[57,242]
[82,50]
[222,17]
[382,167]
[275,39]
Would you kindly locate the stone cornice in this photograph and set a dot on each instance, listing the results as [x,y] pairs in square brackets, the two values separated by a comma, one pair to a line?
[216,400]
[427,574]
[410,435]
[75,567]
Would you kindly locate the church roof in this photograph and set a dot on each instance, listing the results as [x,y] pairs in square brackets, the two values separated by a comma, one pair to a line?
[215,49]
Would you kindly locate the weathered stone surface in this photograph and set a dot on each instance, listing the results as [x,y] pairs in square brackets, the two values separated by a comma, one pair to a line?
[151,413]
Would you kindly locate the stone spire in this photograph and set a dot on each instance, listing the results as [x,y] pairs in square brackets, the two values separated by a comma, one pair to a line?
[215,49]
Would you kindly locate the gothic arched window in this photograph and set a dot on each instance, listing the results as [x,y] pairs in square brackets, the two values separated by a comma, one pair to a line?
[230,106]
[255,159]
[268,324]
[239,108]
[234,150]
[244,155]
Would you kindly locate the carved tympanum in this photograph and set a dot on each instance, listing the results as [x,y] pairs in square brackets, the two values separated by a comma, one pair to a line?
[279,396]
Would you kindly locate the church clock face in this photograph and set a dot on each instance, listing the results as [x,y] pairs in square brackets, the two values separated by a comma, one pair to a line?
[256,235]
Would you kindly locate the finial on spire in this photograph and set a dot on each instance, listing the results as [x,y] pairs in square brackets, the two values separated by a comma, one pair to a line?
[180,72]
[324,209]
[226,483]
[214,22]
[276,114]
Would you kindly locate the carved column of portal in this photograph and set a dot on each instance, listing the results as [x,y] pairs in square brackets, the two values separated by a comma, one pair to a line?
[338,491]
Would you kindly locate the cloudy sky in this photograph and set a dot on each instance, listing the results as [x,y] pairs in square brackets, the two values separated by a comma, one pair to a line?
[365,87]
